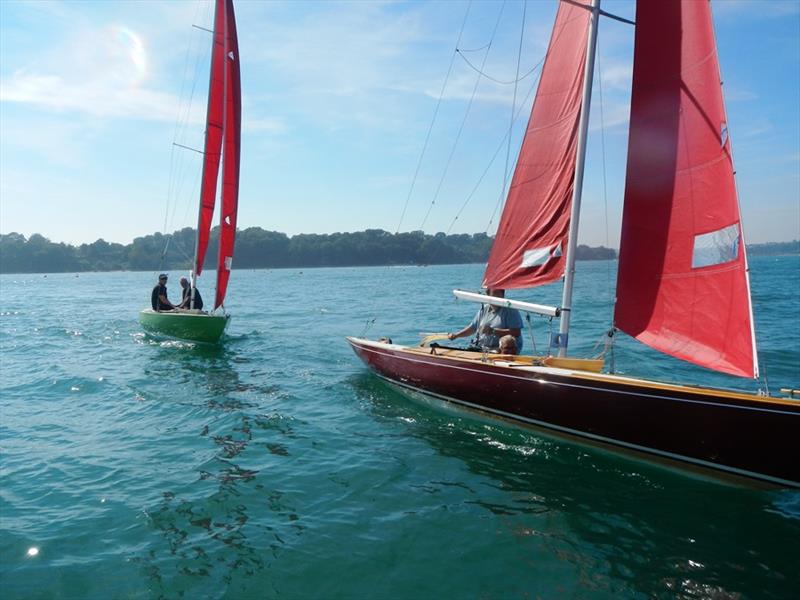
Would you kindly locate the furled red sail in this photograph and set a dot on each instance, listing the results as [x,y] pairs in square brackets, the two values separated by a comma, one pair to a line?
[683,285]
[530,244]
[230,160]
[213,143]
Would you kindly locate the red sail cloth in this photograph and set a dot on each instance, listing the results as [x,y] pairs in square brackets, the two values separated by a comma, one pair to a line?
[213,143]
[230,160]
[680,198]
[530,244]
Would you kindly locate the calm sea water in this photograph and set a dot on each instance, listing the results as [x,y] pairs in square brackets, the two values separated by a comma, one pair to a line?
[277,467]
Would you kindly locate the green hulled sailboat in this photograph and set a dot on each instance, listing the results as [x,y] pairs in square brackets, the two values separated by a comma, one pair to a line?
[222,147]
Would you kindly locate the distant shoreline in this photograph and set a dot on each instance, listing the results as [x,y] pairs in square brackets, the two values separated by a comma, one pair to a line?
[260,249]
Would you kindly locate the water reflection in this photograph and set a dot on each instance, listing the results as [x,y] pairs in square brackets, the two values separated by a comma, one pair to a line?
[626,526]
[209,537]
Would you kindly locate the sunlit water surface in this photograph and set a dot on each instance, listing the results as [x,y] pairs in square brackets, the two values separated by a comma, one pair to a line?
[277,466]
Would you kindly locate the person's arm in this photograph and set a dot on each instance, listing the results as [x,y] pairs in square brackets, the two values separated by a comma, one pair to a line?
[163,299]
[468,330]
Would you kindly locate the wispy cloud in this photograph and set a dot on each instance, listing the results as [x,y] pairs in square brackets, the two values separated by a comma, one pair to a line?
[733,94]
[99,97]
[758,9]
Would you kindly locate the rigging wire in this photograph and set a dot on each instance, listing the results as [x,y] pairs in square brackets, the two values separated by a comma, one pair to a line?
[491,161]
[489,77]
[502,141]
[482,47]
[511,121]
[172,155]
[488,48]
[433,120]
[603,154]
[610,338]
[178,165]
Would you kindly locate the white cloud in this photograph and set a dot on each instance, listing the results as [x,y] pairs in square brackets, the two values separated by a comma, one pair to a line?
[101,97]
[617,76]
[269,125]
[755,9]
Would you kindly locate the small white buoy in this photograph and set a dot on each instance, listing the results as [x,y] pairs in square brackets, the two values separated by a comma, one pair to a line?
[33,551]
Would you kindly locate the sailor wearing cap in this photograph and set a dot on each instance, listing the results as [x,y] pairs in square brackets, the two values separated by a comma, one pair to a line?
[158,299]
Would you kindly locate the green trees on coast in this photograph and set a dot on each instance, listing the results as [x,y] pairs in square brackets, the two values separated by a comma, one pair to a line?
[257,248]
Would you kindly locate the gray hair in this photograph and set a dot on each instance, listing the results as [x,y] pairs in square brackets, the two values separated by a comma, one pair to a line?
[511,344]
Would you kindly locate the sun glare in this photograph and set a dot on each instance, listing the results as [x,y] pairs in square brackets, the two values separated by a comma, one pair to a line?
[129,44]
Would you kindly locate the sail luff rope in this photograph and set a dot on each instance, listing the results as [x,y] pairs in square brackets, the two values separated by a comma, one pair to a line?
[433,120]
[511,121]
[464,120]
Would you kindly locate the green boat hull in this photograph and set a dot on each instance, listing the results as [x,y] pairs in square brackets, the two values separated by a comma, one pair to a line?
[195,327]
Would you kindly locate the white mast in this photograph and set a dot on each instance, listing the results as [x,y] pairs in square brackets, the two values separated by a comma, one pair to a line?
[583,128]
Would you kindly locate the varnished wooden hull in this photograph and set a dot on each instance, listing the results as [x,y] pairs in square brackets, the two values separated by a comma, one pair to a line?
[738,434]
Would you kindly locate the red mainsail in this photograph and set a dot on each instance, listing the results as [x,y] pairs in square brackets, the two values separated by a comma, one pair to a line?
[213,142]
[530,244]
[230,161]
[683,285]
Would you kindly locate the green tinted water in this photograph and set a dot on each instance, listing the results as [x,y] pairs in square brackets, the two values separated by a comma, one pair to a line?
[277,466]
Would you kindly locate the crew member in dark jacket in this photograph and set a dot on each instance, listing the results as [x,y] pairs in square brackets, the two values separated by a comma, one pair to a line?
[158,299]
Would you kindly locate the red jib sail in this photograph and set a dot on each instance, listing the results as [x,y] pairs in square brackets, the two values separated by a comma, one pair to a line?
[213,143]
[683,286]
[230,160]
[530,243]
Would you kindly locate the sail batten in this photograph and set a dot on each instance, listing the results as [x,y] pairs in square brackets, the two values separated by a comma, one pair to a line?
[536,216]
[682,285]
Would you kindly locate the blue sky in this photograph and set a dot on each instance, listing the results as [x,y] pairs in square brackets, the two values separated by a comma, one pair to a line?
[337,101]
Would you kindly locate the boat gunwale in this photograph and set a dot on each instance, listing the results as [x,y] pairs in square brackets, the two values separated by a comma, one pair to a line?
[620,380]
[171,313]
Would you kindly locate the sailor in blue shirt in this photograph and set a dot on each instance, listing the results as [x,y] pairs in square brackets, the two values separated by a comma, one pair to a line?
[491,323]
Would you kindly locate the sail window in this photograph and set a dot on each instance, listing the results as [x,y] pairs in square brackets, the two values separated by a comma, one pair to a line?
[536,257]
[716,247]
[723,135]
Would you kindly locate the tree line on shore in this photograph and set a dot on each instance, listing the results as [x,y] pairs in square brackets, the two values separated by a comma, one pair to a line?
[257,248]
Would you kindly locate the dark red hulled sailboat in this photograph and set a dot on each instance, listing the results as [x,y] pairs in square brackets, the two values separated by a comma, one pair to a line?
[222,145]
[682,286]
